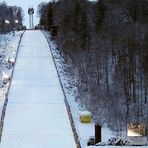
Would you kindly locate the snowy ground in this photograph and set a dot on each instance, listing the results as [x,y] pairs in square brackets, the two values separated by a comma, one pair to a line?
[116,147]
[8,47]
[84,130]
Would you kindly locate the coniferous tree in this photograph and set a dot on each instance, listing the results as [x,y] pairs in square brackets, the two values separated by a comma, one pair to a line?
[19,16]
[9,13]
[11,18]
[84,32]
[76,23]
[76,17]
[50,20]
[100,14]
[41,10]
[133,9]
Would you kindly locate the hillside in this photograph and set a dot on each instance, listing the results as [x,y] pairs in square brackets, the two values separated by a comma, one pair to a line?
[105,45]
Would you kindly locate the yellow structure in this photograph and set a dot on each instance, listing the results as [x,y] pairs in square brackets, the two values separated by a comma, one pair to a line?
[85,117]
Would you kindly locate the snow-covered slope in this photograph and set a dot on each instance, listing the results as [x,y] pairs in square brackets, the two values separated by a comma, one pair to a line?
[36,115]
[84,131]
[8,48]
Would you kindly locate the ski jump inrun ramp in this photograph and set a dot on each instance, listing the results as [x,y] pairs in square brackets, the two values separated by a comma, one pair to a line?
[36,114]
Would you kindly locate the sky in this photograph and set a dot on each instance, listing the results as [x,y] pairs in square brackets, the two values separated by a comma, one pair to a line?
[25,5]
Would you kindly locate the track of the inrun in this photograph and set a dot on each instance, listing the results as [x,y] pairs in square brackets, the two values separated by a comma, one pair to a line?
[36,115]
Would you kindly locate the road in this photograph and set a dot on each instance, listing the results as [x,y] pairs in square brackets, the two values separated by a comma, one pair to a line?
[36,115]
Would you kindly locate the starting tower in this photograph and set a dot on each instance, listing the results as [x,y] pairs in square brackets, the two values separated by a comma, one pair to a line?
[31,12]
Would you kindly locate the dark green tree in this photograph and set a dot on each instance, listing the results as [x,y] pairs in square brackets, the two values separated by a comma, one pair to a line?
[100,13]
[19,16]
[76,16]
[49,16]
[84,31]
[133,9]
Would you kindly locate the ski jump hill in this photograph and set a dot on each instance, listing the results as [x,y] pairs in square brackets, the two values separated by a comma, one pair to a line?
[36,115]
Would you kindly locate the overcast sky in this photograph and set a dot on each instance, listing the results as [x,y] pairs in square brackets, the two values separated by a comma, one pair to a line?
[25,4]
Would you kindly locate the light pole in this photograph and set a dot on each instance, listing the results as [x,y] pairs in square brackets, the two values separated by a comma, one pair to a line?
[17,24]
[7,25]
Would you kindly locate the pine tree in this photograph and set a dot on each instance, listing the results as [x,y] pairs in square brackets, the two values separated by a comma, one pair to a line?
[76,17]
[101,8]
[11,17]
[19,16]
[49,16]
[133,9]
[84,32]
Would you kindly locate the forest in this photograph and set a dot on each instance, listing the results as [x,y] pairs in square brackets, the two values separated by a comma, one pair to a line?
[10,17]
[105,44]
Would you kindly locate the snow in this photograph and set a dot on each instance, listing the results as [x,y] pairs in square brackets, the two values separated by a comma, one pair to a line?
[36,115]
[131,133]
[116,147]
[8,47]
[85,113]
[5,77]
[40,90]
[84,130]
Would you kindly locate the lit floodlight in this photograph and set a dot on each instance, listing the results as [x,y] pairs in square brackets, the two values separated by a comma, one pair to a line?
[16,21]
[7,22]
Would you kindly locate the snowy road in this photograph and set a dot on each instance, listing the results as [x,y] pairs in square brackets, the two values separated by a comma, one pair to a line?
[36,115]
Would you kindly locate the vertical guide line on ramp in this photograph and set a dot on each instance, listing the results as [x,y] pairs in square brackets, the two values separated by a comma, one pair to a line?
[6,95]
[65,99]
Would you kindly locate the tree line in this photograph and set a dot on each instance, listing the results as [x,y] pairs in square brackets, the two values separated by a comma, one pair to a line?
[105,44]
[10,17]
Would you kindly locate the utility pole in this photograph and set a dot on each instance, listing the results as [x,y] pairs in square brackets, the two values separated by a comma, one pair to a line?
[31,12]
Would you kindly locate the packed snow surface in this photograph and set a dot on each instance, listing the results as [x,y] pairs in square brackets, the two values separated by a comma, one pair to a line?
[36,115]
